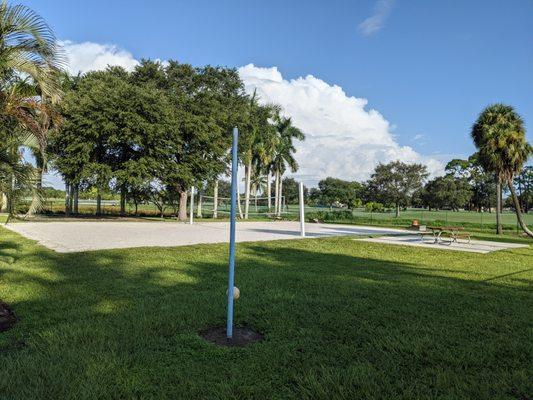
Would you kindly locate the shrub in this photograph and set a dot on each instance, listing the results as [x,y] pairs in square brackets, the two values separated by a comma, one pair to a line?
[374,207]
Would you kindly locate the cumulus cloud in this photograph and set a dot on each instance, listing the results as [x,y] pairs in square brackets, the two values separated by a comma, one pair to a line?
[376,21]
[343,137]
[89,56]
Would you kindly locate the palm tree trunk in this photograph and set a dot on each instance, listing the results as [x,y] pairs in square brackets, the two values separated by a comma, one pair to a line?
[247,179]
[518,210]
[40,169]
[199,207]
[182,212]
[498,207]
[239,208]
[255,190]
[3,201]
[276,192]
[215,200]
[269,191]
[280,206]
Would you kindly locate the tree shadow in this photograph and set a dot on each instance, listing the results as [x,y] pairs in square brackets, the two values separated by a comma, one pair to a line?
[124,324]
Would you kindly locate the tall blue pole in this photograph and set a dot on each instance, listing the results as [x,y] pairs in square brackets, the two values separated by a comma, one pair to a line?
[231,275]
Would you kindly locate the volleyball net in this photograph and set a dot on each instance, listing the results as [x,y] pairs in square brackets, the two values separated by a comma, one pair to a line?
[257,206]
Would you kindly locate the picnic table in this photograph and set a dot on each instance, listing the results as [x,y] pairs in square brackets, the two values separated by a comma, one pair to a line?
[454,232]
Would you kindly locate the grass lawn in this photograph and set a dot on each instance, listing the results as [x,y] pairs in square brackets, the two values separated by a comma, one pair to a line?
[342,320]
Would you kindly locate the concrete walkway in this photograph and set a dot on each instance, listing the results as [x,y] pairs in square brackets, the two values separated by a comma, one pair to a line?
[74,236]
[475,246]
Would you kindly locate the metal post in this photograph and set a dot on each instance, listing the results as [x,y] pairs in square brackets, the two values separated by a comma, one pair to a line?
[302,210]
[192,206]
[231,275]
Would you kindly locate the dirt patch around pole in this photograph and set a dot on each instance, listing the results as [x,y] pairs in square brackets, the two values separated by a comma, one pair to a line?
[242,336]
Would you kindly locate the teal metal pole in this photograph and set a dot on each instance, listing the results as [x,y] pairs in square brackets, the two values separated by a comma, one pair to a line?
[231,275]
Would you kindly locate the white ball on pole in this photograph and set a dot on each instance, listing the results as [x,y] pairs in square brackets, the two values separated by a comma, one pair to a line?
[236,293]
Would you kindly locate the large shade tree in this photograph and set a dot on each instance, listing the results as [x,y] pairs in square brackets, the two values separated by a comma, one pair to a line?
[500,136]
[396,182]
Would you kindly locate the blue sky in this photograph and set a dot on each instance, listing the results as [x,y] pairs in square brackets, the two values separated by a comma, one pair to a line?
[428,67]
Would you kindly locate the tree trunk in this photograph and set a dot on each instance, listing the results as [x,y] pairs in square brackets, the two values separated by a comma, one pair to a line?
[269,191]
[247,179]
[122,201]
[71,198]
[67,199]
[397,210]
[280,206]
[199,207]
[276,192]
[215,200]
[3,201]
[501,198]
[499,230]
[518,210]
[254,189]
[98,203]
[76,200]
[239,208]
[182,212]
[40,170]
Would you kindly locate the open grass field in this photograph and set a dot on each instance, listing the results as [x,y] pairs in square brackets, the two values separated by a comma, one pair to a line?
[342,320]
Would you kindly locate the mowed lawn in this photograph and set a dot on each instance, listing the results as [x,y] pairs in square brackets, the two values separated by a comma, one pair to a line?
[342,320]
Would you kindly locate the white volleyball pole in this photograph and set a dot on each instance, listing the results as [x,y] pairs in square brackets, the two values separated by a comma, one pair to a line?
[302,210]
[192,206]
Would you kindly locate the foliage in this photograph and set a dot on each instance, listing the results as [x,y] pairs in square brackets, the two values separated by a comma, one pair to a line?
[333,191]
[395,183]
[447,192]
[500,137]
[373,206]
[291,191]
[29,65]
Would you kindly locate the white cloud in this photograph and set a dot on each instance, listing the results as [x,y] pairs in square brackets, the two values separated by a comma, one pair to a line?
[89,56]
[343,138]
[376,21]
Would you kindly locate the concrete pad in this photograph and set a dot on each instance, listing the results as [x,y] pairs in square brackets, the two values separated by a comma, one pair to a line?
[74,236]
[475,246]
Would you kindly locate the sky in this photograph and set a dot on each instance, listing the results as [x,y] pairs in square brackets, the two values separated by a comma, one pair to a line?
[368,81]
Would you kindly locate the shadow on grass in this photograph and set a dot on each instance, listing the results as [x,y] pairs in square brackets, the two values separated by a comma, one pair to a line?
[338,323]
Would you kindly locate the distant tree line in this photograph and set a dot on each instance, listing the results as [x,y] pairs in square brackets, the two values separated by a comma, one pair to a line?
[465,185]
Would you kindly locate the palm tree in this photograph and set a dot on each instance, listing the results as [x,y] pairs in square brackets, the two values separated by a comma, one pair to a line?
[265,150]
[500,137]
[29,47]
[258,127]
[284,156]
[259,182]
[16,175]
[29,58]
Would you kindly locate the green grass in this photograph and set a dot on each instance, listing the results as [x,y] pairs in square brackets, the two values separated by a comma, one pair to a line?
[342,320]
